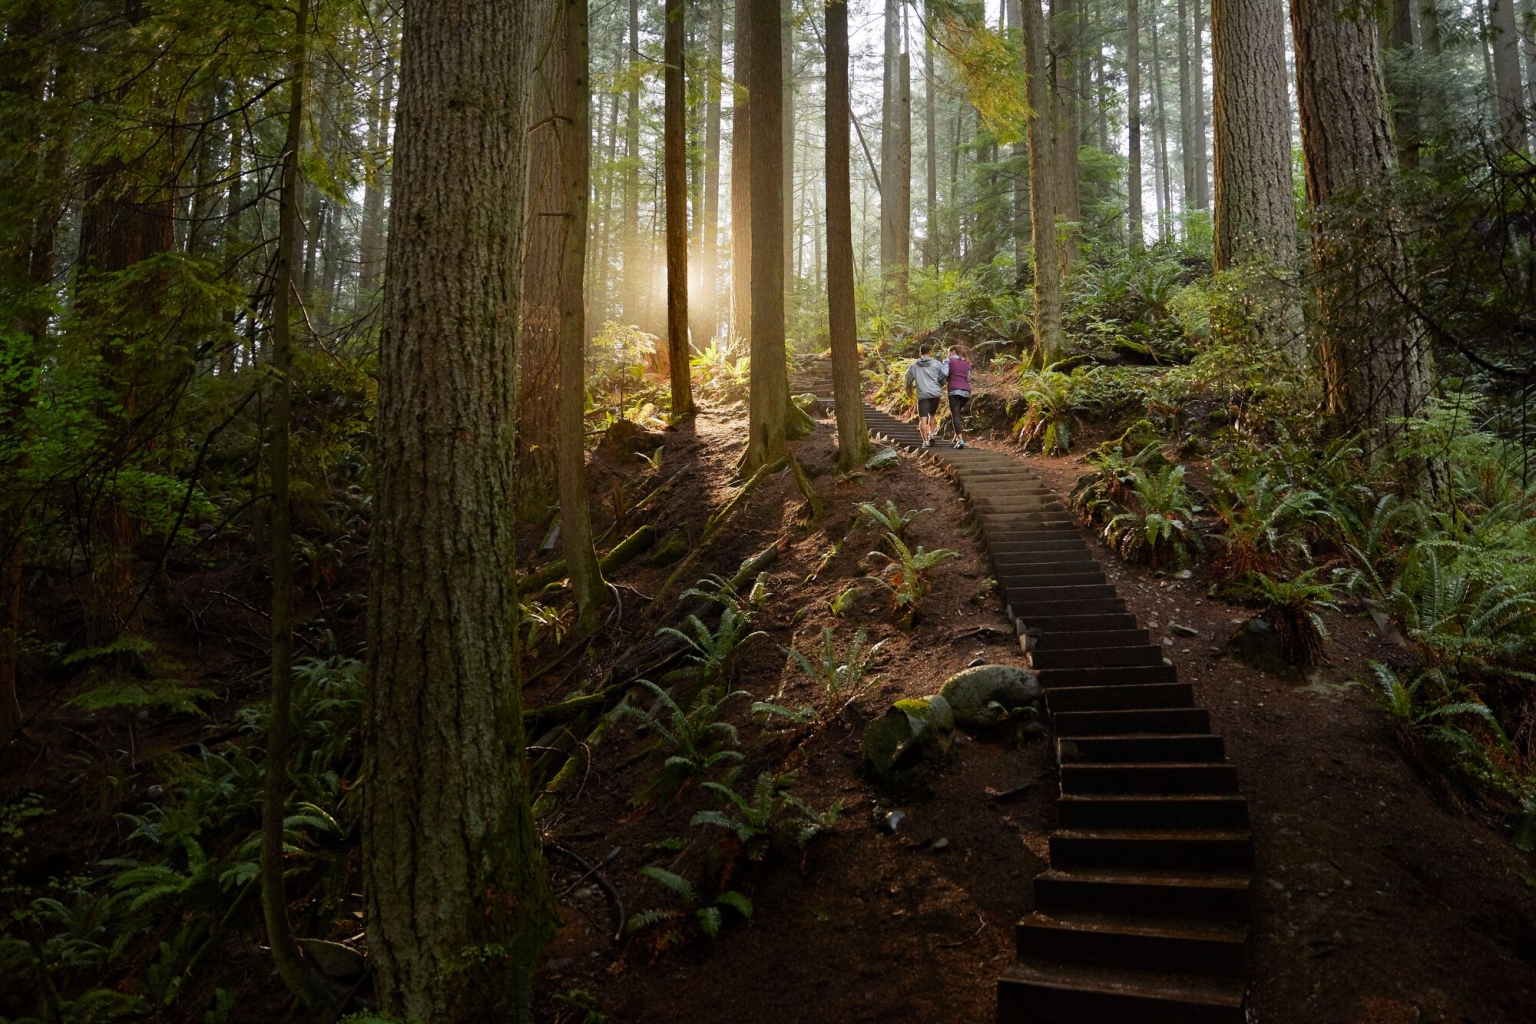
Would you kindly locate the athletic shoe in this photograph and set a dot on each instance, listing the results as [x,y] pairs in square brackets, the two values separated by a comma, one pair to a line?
[959,442]
[927,442]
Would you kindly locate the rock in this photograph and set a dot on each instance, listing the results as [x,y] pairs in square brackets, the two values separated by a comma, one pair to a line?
[1257,645]
[892,821]
[672,548]
[335,960]
[882,459]
[1183,574]
[905,748]
[940,845]
[808,404]
[624,436]
[1179,629]
[978,660]
[971,690]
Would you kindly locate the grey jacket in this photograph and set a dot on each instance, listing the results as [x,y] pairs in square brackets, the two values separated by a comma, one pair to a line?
[928,375]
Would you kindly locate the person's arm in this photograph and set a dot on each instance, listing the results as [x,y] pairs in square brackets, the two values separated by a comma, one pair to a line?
[911,379]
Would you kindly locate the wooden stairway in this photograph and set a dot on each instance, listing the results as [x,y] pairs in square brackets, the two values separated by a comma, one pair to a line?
[1143,913]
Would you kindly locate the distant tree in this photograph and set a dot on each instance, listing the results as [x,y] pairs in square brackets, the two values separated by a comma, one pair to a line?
[457,902]
[675,158]
[842,326]
[1043,168]
[768,408]
[1133,121]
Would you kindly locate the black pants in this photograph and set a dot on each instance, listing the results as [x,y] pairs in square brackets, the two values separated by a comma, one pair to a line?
[956,410]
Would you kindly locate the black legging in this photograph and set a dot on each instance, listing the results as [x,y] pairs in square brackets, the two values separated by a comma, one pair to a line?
[956,409]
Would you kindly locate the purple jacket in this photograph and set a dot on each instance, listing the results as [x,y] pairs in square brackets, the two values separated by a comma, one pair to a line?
[959,374]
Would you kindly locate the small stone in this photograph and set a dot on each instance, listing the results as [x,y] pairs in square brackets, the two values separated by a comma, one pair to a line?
[1152,624]
[940,845]
[1183,574]
[1179,629]
[978,661]
[892,821]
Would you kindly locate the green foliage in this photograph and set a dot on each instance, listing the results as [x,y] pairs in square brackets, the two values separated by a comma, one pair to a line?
[719,376]
[906,572]
[770,813]
[712,652]
[707,918]
[1053,403]
[891,520]
[694,739]
[1159,524]
[1266,522]
[133,694]
[839,673]
[1292,608]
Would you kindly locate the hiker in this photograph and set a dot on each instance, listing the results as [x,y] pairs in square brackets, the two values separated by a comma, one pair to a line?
[927,375]
[957,371]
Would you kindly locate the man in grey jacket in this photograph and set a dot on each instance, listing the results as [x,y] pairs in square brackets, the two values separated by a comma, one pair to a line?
[927,375]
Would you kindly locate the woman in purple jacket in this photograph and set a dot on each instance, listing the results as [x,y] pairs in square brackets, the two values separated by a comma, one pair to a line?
[959,389]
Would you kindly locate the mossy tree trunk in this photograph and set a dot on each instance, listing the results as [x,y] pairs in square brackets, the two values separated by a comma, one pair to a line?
[1049,335]
[456,896]
[675,158]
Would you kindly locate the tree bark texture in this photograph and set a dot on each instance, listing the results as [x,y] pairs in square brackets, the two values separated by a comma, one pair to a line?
[1202,162]
[842,324]
[675,144]
[1508,108]
[1186,110]
[930,147]
[636,266]
[769,404]
[456,898]
[741,179]
[1255,199]
[1160,138]
[1133,122]
[571,459]
[1065,129]
[1375,359]
[708,317]
[787,119]
[1049,336]
[890,146]
[546,228]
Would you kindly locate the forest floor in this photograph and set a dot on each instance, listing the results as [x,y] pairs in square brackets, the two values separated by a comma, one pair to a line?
[1378,897]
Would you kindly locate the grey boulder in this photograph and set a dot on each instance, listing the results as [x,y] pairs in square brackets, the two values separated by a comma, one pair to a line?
[971,691]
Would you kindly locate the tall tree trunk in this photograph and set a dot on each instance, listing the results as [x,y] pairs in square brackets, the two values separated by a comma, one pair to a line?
[930,146]
[1186,115]
[1255,200]
[451,862]
[741,179]
[787,119]
[545,236]
[371,254]
[1049,336]
[769,404]
[1133,122]
[575,517]
[1202,127]
[636,265]
[302,979]
[1528,30]
[890,145]
[234,218]
[675,145]
[709,251]
[1396,33]
[1160,137]
[1375,359]
[1065,131]
[900,180]
[842,325]
[1429,27]
[1508,108]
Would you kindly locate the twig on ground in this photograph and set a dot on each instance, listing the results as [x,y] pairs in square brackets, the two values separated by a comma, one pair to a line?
[596,876]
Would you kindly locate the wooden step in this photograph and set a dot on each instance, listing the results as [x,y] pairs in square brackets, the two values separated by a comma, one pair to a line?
[1076,994]
[1096,657]
[1148,777]
[1152,810]
[1061,641]
[1108,940]
[1045,625]
[1026,610]
[1120,722]
[1125,748]
[1180,895]
[1189,850]
[1119,676]
[1120,698]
